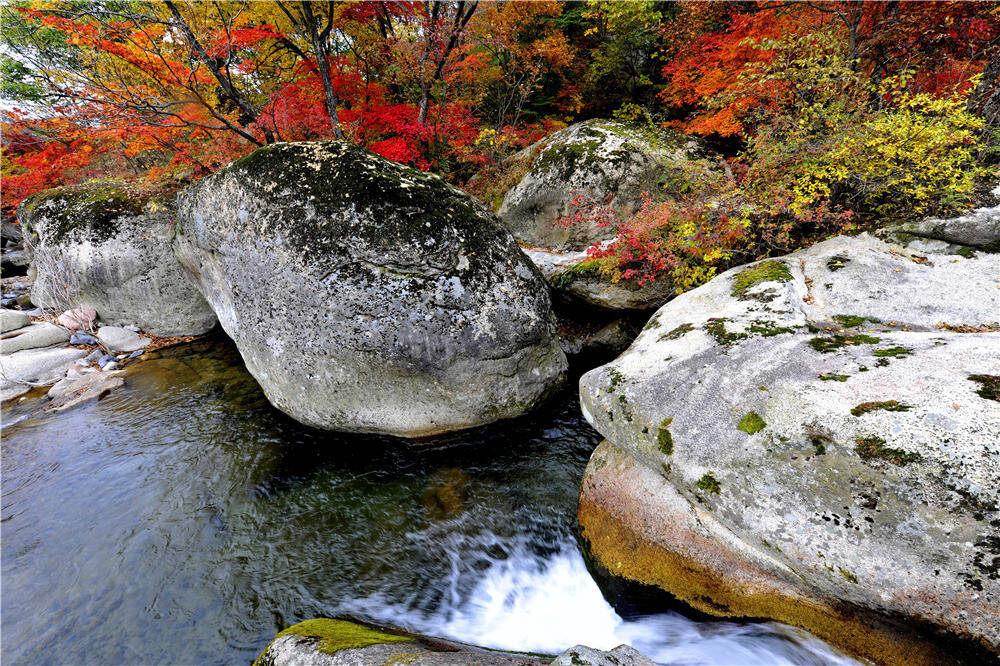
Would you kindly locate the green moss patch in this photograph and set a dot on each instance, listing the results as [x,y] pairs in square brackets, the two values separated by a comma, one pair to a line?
[664,440]
[849,321]
[836,263]
[874,448]
[586,268]
[885,405]
[892,352]
[851,578]
[751,423]
[990,386]
[818,446]
[833,377]
[678,332]
[332,636]
[716,327]
[825,345]
[766,271]
[768,328]
[709,484]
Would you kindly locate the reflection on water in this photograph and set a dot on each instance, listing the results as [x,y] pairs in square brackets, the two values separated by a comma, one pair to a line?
[183,520]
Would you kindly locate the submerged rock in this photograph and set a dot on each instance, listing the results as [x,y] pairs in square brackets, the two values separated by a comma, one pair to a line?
[325,642]
[72,391]
[365,296]
[814,439]
[101,246]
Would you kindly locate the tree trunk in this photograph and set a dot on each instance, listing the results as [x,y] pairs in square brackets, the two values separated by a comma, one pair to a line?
[321,52]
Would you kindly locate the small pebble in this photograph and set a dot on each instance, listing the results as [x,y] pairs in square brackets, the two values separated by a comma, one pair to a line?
[136,354]
[81,338]
[110,366]
[134,329]
[93,356]
[106,360]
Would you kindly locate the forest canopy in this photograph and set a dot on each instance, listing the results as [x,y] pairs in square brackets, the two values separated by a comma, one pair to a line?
[830,115]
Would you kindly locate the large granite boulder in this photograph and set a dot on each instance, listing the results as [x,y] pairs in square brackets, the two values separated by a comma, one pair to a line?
[602,162]
[326,642]
[107,247]
[814,439]
[366,296]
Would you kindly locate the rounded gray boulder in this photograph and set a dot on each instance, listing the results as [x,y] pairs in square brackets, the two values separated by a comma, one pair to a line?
[365,296]
[106,247]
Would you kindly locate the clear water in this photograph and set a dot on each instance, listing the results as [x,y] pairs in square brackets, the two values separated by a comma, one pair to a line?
[184,520]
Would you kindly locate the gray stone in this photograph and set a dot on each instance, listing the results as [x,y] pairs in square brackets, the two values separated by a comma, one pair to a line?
[20,370]
[80,338]
[121,339]
[11,320]
[806,439]
[70,392]
[570,276]
[42,334]
[979,228]
[110,366]
[581,655]
[136,354]
[103,247]
[321,642]
[368,297]
[78,319]
[599,159]
[105,360]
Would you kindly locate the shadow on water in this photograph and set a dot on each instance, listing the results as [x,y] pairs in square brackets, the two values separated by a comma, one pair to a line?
[184,520]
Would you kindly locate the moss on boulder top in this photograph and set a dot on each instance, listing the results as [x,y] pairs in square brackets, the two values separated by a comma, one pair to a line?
[86,212]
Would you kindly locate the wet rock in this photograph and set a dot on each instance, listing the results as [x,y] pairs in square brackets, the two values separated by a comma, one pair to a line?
[22,369]
[78,319]
[106,359]
[35,336]
[324,642]
[136,354]
[581,655]
[105,247]
[70,392]
[11,320]
[813,439]
[365,296]
[121,339]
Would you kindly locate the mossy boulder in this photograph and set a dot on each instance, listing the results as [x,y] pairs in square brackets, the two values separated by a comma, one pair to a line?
[109,246]
[601,160]
[326,642]
[739,478]
[365,296]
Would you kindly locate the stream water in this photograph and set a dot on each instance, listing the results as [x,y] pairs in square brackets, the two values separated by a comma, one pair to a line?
[183,520]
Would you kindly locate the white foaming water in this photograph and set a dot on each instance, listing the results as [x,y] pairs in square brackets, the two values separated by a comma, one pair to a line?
[532,604]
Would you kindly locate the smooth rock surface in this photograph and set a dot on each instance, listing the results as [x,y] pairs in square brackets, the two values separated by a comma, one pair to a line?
[101,246]
[324,642]
[11,320]
[814,439]
[37,366]
[581,655]
[78,319]
[599,159]
[35,336]
[120,339]
[70,392]
[979,228]
[365,296]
